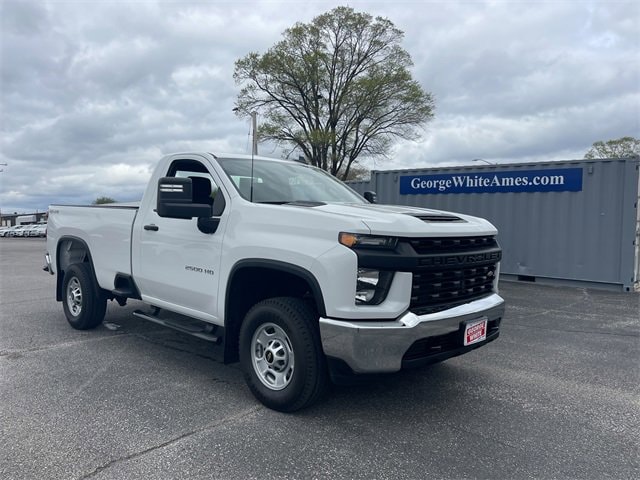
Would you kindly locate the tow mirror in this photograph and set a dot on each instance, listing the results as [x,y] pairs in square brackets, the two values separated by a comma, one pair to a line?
[175,199]
[371,197]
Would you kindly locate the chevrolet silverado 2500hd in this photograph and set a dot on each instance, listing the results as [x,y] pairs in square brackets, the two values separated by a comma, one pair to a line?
[285,269]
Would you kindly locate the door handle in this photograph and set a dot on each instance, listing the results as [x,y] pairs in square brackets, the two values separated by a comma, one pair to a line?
[153,228]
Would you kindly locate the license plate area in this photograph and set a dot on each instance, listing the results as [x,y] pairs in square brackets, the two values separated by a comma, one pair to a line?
[474,331]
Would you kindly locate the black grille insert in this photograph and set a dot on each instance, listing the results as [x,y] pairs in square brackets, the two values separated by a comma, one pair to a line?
[452,271]
[451,244]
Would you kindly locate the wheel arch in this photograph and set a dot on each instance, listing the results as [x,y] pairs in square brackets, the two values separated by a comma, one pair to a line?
[254,280]
[69,250]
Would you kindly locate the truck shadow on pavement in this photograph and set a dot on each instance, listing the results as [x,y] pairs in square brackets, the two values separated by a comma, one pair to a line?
[442,386]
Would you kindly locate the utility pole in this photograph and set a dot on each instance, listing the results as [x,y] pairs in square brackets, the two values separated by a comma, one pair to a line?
[254,127]
[2,170]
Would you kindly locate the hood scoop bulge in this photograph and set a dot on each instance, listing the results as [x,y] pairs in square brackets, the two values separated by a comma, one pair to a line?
[435,217]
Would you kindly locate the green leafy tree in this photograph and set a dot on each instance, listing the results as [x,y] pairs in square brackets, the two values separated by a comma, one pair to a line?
[620,148]
[103,200]
[334,89]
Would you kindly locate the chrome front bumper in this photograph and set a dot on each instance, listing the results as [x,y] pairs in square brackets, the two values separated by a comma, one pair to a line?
[379,346]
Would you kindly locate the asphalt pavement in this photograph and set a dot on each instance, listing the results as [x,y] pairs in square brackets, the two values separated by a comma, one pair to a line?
[556,396]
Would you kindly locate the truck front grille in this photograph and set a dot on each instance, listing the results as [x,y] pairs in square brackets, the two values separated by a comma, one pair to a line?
[452,271]
[451,244]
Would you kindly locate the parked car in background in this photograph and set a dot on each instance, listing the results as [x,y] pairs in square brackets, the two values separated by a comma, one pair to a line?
[26,231]
[38,230]
[31,230]
[16,231]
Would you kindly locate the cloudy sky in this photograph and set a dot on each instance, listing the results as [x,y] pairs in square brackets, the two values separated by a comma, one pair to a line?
[94,92]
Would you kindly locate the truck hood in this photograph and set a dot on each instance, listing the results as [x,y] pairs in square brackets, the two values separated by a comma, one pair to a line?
[409,221]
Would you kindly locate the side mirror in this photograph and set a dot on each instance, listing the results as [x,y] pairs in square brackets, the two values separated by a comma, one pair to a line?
[208,225]
[175,199]
[371,197]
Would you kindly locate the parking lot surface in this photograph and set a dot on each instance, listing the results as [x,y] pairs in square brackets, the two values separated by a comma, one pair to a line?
[556,396]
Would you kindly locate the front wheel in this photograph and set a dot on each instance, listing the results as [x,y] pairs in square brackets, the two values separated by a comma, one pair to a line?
[281,355]
[84,303]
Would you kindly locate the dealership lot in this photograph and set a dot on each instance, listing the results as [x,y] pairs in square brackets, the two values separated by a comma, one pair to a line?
[556,396]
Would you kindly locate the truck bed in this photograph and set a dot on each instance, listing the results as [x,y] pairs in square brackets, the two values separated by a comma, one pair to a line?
[105,229]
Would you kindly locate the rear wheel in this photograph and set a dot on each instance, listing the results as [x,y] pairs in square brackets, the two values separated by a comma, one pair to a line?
[84,303]
[281,355]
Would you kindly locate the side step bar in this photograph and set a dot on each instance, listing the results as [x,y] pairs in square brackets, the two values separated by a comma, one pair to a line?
[190,326]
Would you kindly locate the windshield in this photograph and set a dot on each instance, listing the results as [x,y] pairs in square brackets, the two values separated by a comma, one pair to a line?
[280,182]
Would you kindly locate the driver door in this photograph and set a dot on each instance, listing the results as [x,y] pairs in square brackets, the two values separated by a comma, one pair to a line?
[178,266]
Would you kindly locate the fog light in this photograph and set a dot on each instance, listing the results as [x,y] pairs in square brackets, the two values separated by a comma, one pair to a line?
[372,286]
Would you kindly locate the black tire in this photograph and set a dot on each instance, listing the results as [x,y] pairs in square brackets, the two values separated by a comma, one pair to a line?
[281,337]
[83,301]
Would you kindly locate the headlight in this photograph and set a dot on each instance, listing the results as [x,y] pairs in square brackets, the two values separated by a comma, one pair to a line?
[372,286]
[352,240]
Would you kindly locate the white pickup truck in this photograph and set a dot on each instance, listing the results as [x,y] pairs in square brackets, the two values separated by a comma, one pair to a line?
[283,268]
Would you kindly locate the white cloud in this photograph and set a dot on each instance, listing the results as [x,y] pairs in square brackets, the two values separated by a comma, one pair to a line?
[93,93]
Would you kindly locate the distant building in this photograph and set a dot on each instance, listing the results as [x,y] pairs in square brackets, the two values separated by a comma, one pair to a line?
[9,220]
